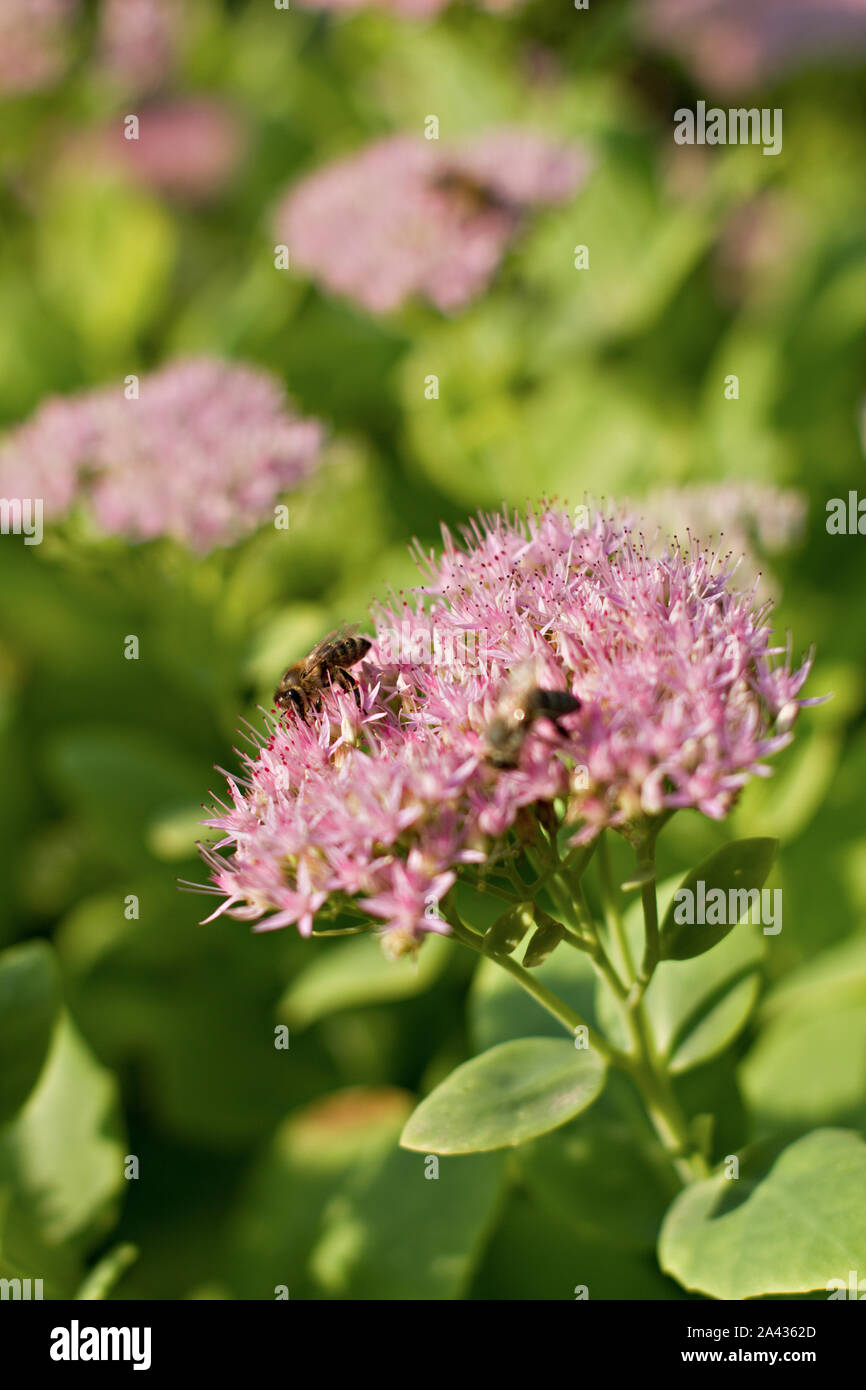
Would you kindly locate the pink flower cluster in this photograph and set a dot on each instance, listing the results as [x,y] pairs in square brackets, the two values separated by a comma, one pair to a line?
[139,41]
[407,217]
[749,520]
[201,454]
[386,801]
[406,9]
[187,149]
[34,43]
[735,44]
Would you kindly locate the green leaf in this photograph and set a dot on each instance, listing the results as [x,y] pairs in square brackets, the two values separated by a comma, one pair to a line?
[121,780]
[29,1001]
[696,1006]
[808,1065]
[534,1254]
[104,228]
[809,1069]
[63,1157]
[601,1176]
[741,866]
[790,1228]
[396,1231]
[312,1154]
[356,972]
[106,1273]
[512,1093]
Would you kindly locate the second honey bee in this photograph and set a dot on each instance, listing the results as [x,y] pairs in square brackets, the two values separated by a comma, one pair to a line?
[520,705]
[302,684]
[472,193]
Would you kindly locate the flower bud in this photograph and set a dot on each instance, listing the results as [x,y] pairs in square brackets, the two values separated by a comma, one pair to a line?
[507,932]
[543,942]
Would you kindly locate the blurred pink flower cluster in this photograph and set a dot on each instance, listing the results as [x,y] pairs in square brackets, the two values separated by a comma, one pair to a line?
[139,41]
[386,801]
[405,9]
[406,216]
[186,149]
[734,44]
[749,520]
[34,43]
[200,455]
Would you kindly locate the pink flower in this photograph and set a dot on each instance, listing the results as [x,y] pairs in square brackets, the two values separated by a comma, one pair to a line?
[201,455]
[406,9]
[735,44]
[746,519]
[139,40]
[186,149]
[405,217]
[34,43]
[377,809]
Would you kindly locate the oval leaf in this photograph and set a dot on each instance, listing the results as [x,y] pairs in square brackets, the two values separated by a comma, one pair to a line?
[695,1007]
[29,1001]
[739,868]
[507,1095]
[792,1228]
[63,1156]
[354,973]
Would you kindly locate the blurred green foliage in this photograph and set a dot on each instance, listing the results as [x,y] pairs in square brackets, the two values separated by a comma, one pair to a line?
[152,1036]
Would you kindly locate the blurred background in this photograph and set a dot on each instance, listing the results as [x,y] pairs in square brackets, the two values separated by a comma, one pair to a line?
[133,1032]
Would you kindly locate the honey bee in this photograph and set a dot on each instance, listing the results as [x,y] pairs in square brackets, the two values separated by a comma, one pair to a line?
[521,703]
[472,193]
[301,685]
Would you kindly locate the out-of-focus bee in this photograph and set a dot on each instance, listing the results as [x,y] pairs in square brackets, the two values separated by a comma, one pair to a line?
[473,194]
[521,703]
[301,685]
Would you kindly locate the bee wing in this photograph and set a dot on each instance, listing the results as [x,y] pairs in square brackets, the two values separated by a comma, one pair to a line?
[336,634]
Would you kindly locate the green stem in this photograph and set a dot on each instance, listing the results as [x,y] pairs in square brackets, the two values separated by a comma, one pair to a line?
[664,1110]
[561,1011]
[647,1068]
[642,1062]
[652,947]
[610,900]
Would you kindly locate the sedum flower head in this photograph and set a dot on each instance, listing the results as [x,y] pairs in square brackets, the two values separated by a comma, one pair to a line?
[380,805]
[405,9]
[201,455]
[735,44]
[34,43]
[139,41]
[407,217]
[749,520]
[187,149]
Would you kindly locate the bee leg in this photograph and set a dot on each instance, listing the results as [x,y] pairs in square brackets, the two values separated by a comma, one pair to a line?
[347,682]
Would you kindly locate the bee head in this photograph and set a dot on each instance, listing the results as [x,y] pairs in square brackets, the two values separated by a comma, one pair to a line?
[288,696]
